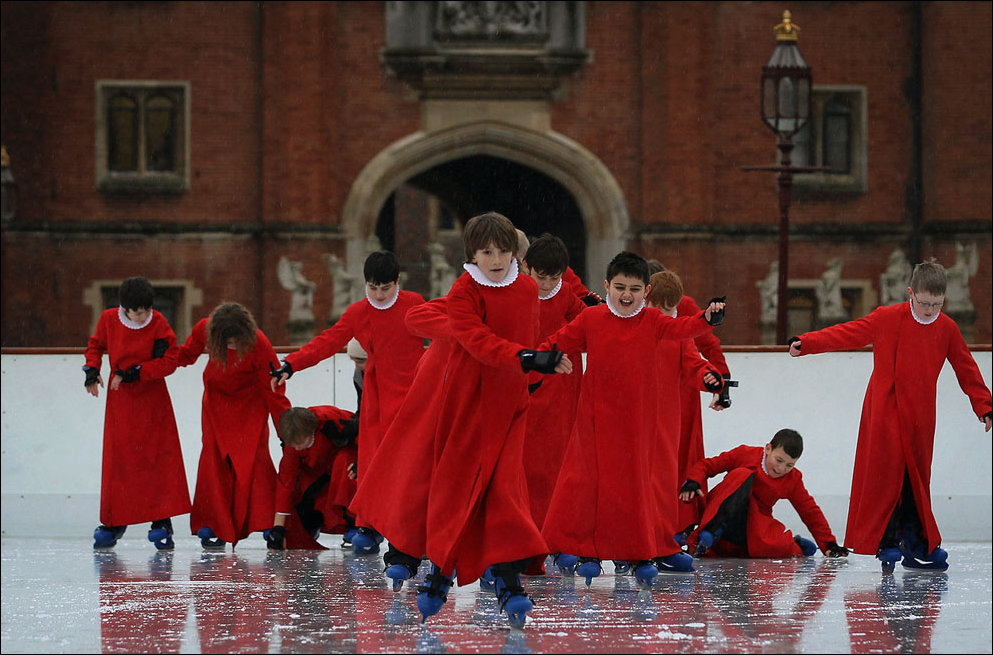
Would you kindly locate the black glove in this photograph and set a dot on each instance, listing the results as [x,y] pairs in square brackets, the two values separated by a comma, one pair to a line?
[725,399]
[133,374]
[92,373]
[715,386]
[591,299]
[716,318]
[275,537]
[792,340]
[834,550]
[277,372]
[350,429]
[690,485]
[542,361]
[159,348]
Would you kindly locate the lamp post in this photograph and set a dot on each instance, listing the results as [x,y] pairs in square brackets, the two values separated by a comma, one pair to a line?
[786,102]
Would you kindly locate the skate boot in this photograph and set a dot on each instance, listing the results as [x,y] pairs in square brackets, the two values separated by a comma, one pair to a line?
[565,563]
[675,563]
[512,599]
[589,568]
[209,540]
[432,595]
[913,549]
[645,573]
[399,573]
[106,536]
[706,540]
[622,568]
[346,539]
[160,534]
[889,556]
[487,582]
[807,547]
[366,541]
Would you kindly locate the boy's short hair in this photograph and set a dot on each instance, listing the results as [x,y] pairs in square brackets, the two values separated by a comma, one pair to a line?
[655,266]
[630,264]
[381,267]
[547,255]
[667,289]
[491,227]
[522,242]
[355,350]
[136,293]
[790,440]
[296,425]
[929,277]
[230,320]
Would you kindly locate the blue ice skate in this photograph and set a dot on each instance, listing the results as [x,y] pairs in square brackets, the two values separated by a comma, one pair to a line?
[106,536]
[915,555]
[645,573]
[160,534]
[889,556]
[513,600]
[675,563]
[432,595]
[807,547]
[705,541]
[565,563]
[346,539]
[209,540]
[366,541]
[622,568]
[399,573]
[487,581]
[589,568]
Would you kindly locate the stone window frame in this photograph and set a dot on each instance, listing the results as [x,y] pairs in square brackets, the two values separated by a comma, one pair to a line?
[855,181]
[142,180]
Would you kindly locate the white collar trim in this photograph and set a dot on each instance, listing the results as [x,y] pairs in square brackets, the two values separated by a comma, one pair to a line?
[552,293]
[762,461]
[919,319]
[481,278]
[383,305]
[128,323]
[613,310]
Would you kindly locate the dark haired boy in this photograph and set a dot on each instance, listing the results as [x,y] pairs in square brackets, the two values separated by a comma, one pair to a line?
[737,520]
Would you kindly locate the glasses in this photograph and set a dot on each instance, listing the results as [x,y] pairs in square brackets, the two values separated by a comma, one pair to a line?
[929,305]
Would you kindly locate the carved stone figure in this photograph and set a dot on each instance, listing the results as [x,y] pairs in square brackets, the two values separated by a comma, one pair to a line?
[291,278]
[442,273]
[830,309]
[769,292]
[957,299]
[894,282]
[344,283]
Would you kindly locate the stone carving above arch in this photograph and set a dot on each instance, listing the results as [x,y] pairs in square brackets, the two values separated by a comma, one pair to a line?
[597,194]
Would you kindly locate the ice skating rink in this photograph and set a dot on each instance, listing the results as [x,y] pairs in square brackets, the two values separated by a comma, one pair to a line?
[61,596]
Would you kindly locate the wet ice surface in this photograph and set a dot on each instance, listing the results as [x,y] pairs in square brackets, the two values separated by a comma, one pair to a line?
[60,596]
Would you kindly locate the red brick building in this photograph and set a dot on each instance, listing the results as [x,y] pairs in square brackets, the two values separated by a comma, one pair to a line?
[209,145]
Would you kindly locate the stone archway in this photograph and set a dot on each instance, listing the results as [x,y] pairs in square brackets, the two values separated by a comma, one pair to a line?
[594,189]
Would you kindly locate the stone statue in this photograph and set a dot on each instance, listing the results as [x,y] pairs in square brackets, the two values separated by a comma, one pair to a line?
[830,309]
[957,300]
[769,292]
[302,303]
[894,282]
[344,283]
[442,273]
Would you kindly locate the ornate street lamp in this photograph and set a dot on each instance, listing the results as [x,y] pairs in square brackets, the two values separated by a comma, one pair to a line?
[786,102]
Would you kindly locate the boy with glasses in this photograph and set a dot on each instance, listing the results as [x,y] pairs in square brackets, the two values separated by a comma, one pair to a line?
[890,508]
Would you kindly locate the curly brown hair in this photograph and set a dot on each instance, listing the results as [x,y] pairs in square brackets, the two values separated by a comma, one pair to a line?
[229,321]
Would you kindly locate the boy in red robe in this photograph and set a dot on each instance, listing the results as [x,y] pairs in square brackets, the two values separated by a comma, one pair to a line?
[737,520]
[890,514]
[236,480]
[316,479]
[393,352]
[604,503]
[477,512]
[143,477]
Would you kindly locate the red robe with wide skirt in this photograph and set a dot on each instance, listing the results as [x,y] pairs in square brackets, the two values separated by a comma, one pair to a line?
[236,480]
[604,504]
[143,477]
[896,432]
[478,512]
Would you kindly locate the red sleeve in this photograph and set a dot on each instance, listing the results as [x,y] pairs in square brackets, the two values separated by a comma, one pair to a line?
[571,337]
[266,356]
[967,373]
[570,278]
[707,343]
[429,320]
[328,342]
[810,513]
[705,469]
[286,479]
[194,345]
[97,345]
[160,367]
[465,313]
[844,336]
[696,366]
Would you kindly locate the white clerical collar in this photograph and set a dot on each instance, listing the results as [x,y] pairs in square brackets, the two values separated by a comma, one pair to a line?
[128,323]
[551,294]
[921,320]
[764,469]
[481,278]
[385,304]
[614,311]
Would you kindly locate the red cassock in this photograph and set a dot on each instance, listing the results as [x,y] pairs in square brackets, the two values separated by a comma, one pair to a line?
[299,469]
[236,480]
[691,448]
[896,432]
[679,363]
[604,504]
[393,353]
[143,476]
[767,537]
[553,406]
[478,511]
[392,494]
